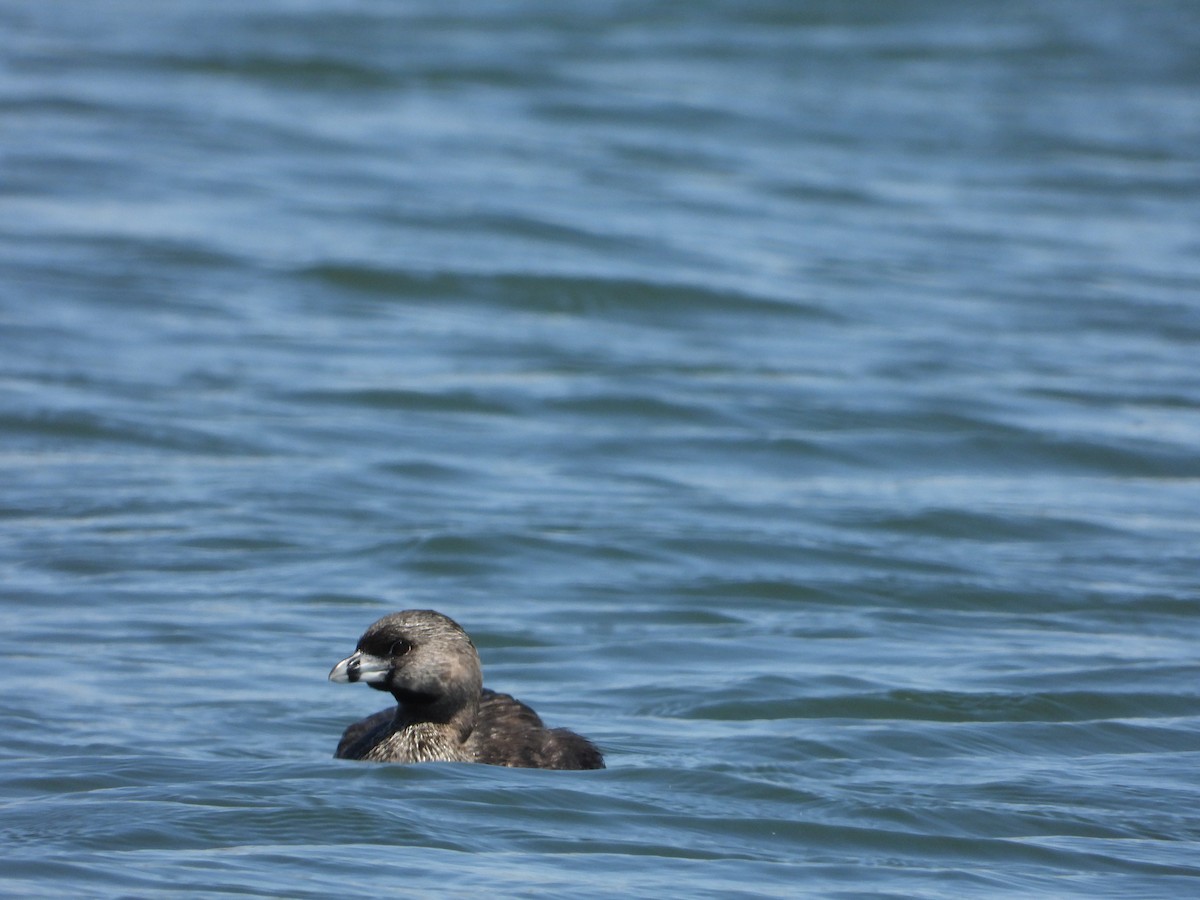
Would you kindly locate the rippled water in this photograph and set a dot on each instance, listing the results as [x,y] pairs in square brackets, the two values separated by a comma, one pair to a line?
[799,399]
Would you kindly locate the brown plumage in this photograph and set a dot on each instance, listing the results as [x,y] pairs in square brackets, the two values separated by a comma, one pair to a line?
[443,712]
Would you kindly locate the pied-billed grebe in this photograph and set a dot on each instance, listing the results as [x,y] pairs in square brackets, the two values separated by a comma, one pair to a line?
[443,712]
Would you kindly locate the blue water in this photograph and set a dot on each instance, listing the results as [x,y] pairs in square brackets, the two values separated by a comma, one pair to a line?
[801,400]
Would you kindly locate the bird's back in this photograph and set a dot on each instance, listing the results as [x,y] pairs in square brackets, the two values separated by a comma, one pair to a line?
[509,733]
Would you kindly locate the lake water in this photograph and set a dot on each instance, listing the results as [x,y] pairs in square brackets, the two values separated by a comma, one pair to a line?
[800,399]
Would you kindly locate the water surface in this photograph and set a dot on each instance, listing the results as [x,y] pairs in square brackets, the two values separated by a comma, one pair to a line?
[798,399]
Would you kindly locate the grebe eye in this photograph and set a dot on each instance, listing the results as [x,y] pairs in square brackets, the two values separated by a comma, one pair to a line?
[399,648]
